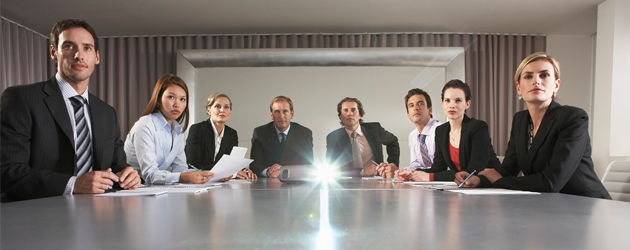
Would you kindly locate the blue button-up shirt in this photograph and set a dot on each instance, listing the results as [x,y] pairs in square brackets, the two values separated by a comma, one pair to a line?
[153,146]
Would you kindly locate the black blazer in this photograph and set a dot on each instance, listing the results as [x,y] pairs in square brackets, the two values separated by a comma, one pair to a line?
[38,156]
[339,149]
[475,150]
[200,145]
[559,159]
[266,148]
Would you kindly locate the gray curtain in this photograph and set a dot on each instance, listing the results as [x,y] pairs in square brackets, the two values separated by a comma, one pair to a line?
[130,66]
[24,56]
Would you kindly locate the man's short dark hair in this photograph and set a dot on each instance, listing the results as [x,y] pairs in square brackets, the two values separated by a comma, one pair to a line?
[70,23]
[418,91]
[350,99]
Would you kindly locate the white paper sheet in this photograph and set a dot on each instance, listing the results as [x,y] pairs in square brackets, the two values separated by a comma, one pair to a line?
[227,166]
[373,178]
[187,190]
[184,188]
[489,191]
[233,181]
[433,183]
[239,152]
[135,192]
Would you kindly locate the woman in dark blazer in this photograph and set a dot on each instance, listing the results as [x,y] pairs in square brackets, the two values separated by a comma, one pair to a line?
[461,144]
[549,143]
[201,149]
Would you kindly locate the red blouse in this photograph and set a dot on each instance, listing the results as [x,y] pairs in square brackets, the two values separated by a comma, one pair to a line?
[454,154]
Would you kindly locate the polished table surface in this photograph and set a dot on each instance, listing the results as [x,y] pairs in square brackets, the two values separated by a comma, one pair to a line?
[350,214]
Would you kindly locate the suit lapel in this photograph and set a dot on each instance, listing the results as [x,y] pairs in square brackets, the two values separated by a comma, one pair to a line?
[544,129]
[522,136]
[98,130]
[272,139]
[371,139]
[463,142]
[210,140]
[57,107]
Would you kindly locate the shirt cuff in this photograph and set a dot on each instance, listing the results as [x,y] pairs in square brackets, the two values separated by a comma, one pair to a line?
[431,177]
[70,186]
[264,172]
[172,178]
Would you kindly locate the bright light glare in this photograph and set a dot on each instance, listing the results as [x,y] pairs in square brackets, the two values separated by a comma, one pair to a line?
[326,173]
[325,238]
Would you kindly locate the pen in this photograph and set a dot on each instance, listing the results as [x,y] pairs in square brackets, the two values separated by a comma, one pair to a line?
[470,175]
[376,165]
[194,167]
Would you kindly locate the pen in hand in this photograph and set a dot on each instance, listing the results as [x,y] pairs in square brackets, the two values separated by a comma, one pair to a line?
[375,167]
[194,167]
[470,175]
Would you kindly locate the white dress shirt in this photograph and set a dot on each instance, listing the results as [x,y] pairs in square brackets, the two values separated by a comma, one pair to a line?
[217,138]
[414,144]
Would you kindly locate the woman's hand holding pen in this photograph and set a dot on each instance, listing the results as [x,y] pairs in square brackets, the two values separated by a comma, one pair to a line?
[472,182]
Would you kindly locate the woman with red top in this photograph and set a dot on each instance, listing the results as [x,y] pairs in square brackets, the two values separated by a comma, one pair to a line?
[462,144]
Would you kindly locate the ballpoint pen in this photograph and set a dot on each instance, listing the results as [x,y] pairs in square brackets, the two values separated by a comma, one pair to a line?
[376,165]
[194,167]
[470,175]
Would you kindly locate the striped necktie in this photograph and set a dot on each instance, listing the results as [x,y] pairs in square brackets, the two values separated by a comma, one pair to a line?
[83,142]
[425,152]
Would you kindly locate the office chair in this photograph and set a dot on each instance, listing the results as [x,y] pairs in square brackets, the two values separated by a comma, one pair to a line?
[617,180]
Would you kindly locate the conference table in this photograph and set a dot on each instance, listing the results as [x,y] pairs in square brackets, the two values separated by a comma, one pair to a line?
[345,214]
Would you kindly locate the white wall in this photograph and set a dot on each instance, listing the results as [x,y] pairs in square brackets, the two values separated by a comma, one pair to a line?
[315,92]
[575,54]
[611,97]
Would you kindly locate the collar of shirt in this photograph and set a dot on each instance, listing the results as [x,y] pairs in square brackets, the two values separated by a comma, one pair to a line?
[160,122]
[359,132]
[216,134]
[68,91]
[427,128]
[285,132]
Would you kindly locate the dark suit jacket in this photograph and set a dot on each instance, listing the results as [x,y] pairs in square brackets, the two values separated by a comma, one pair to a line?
[266,148]
[200,145]
[559,159]
[38,156]
[475,150]
[339,149]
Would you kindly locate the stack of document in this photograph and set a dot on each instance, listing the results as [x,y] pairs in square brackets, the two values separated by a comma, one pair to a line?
[135,192]
[489,191]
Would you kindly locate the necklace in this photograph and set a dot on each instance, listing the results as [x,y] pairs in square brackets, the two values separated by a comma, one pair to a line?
[454,135]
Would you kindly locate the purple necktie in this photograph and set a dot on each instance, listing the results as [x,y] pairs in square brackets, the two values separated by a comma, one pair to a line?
[424,152]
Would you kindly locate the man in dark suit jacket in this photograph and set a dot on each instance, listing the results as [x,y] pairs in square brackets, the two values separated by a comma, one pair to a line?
[37,133]
[369,136]
[280,142]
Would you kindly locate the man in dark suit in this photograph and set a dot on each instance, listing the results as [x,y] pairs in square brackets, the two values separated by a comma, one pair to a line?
[356,146]
[280,142]
[41,123]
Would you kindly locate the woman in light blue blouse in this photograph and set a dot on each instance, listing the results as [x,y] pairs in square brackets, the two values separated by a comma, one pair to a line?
[156,142]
